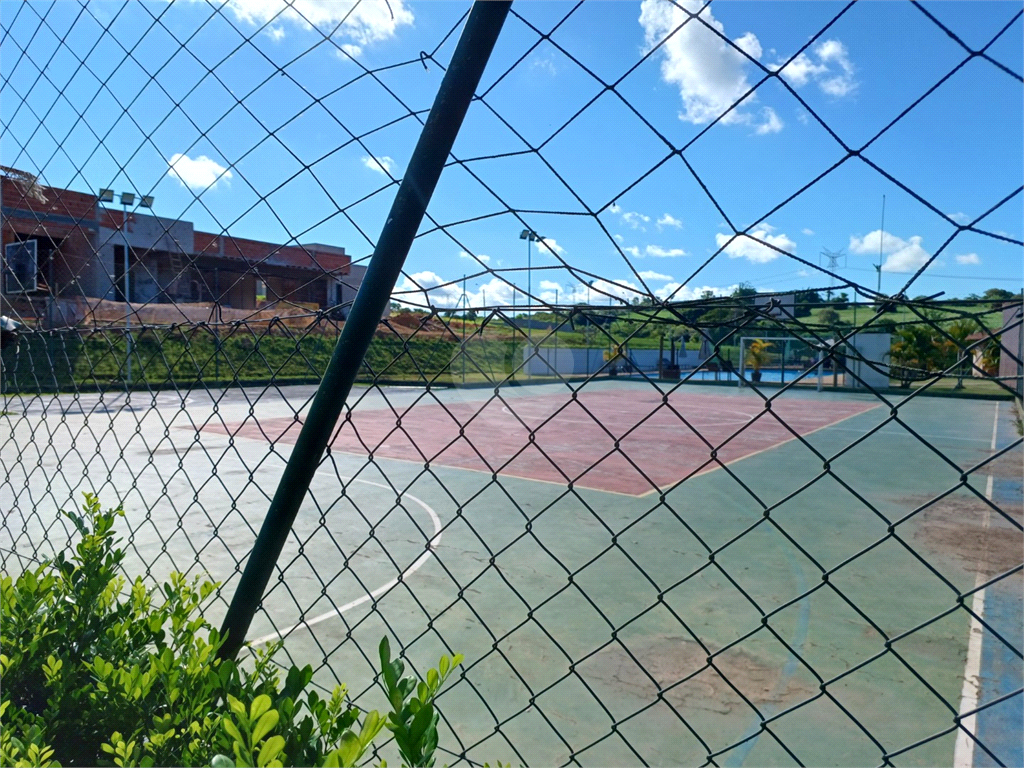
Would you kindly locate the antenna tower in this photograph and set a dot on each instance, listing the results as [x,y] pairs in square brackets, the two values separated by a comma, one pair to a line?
[833,258]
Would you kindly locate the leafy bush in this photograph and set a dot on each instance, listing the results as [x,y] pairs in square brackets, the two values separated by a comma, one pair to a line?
[92,675]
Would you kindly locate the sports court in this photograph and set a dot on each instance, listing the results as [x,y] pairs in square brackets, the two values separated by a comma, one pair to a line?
[670,583]
[595,439]
[657,616]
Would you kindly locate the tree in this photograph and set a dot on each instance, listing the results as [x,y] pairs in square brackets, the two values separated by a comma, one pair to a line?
[841,301]
[914,353]
[990,356]
[744,291]
[804,300]
[829,317]
[952,345]
[757,354]
[997,296]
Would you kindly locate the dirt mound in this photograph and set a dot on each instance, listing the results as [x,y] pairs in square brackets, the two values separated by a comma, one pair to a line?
[408,323]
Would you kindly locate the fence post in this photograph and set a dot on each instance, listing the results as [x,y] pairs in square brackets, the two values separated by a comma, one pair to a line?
[436,139]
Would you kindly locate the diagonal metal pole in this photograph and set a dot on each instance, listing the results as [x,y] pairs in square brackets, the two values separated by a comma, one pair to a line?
[439,132]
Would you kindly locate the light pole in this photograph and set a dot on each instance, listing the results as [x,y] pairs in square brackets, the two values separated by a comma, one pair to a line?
[465,313]
[127,199]
[530,237]
[881,240]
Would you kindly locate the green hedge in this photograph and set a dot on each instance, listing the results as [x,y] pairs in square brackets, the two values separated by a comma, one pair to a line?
[48,361]
[94,671]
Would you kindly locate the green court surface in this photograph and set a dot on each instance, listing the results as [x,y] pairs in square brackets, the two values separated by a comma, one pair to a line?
[773,608]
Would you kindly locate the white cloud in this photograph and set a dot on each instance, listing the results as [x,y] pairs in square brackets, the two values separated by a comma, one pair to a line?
[621,289]
[352,50]
[807,231]
[801,69]
[772,123]
[968,258]
[550,247]
[364,21]
[840,82]
[482,257]
[648,274]
[201,173]
[909,258]
[709,73]
[667,220]
[619,237]
[680,292]
[870,242]
[959,218]
[632,219]
[544,64]
[382,164]
[633,251]
[745,247]
[749,44]
[664,253]
[832,71]
[276,33]
[901,255]
[430,289]
[427,288]
[635,220]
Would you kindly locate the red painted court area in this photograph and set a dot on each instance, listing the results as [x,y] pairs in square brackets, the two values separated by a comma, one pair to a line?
[628,442]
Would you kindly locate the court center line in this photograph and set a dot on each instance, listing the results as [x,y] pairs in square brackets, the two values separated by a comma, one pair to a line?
[417,564]
[963,751]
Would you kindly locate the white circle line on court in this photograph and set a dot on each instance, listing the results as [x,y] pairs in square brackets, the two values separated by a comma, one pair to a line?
[417,564]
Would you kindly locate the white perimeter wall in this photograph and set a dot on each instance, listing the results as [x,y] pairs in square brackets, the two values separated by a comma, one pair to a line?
[875,349]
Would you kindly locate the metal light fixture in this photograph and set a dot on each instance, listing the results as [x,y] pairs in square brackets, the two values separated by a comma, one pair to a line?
[106,195]
[146,202]
[127,198]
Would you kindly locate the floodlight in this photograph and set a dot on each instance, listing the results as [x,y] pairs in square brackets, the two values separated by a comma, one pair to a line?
[106,195]
[524,235]
[127,198]
[146,202]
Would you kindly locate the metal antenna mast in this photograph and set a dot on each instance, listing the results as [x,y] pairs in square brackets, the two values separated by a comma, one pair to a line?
[881,239]
[833,258]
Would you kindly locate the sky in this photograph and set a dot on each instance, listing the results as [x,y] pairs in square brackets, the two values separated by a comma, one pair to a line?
[634,146]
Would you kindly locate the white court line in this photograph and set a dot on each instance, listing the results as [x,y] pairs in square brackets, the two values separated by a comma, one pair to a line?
[547,415]
[963,751]
[432,545]
[904,433]
[694,422]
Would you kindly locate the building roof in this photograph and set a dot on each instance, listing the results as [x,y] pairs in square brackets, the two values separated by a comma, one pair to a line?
[61,211]
[313,257]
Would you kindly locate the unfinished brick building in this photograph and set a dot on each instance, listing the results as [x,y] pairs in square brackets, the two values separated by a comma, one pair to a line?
[75,248]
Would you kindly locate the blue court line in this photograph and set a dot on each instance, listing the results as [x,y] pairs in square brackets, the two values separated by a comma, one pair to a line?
[740,754]
[999,728]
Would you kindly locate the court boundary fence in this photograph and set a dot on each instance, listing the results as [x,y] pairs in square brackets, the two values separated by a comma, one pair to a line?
[60,346]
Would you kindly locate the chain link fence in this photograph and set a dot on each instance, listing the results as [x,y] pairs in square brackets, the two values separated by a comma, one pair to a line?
[666,524]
